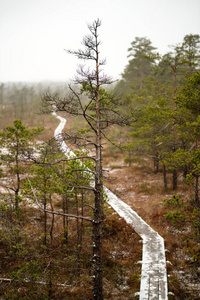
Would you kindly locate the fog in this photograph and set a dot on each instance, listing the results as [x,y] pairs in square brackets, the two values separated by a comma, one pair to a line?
[34,34]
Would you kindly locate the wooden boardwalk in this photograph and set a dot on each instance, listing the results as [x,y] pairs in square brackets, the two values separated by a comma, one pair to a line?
[153,284]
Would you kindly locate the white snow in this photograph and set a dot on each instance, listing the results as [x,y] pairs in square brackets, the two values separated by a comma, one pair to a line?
[153,284]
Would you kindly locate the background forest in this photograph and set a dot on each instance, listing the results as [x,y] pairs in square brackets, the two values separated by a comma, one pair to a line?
[49,256]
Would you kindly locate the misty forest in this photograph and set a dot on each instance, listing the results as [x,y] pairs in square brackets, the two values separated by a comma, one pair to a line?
[138,136]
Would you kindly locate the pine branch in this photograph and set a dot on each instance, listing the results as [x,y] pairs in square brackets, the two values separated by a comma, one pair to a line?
[54,212]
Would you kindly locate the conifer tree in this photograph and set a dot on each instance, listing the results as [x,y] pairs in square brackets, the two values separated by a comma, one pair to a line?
[16,139]
[98,110]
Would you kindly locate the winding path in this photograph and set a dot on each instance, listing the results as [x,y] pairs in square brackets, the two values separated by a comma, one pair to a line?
[153,284]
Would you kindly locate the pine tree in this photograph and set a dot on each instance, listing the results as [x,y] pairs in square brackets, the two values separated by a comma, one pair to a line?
[17,141]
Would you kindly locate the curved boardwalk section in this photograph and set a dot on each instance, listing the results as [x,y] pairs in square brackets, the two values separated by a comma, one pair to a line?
[153,284]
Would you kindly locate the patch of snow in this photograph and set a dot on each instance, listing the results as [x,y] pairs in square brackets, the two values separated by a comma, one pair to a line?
[4,151]
[145,197]
[111,171]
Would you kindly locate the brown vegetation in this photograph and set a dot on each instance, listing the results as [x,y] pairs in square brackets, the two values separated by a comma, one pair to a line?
[30,270]
[142,188]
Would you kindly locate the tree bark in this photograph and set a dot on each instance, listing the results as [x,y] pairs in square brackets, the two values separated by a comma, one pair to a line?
[174,180]
[52,221]
[197,190]
[165,177]
[65,219]
[97,245]
[156,164]
[18,177]
[78,245]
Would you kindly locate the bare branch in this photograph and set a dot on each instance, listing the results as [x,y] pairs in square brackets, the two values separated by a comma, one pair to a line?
[76,137]
[61,160]
[84,170]
[114,144]
[38,282]
[83,110]
[88,205]
[81,54]
[84,188]
[69,159]
[67,215]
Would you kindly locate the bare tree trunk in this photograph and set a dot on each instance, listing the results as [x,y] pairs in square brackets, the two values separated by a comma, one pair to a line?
[174,180]
[185,172]
[65,218]
[197,190]
[18,180]
[175,176]
[156,164]
[97,245]
[16,199]
[50,285]
[129,158]
[78,246]
[45,221]
[165,177]
[80,237]
[174,172]
[52,221]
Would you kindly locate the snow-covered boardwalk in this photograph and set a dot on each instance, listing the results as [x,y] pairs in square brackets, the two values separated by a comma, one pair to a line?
[153,284]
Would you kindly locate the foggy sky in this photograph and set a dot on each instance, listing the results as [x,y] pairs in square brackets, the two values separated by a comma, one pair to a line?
[34,33]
